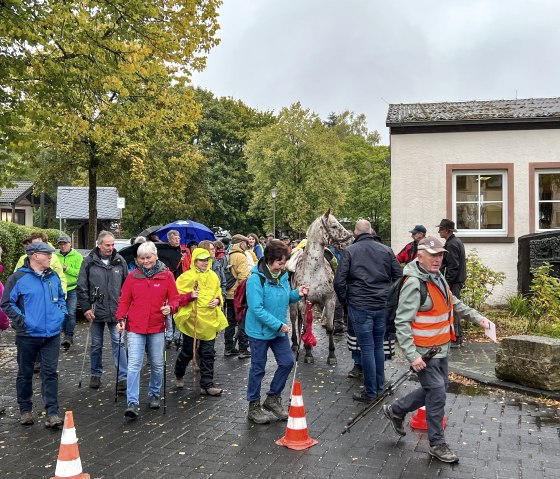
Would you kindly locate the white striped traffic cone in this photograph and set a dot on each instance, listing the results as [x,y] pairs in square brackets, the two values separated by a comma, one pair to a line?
[69,465]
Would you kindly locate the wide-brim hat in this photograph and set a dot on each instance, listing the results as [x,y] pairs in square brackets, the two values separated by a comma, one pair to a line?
[431,244]
[447,224]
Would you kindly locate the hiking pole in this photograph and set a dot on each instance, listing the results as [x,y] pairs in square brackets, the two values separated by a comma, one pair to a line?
[195,310]
[165,328]
[118,366]
[300,332]
[97,296]
[389,390]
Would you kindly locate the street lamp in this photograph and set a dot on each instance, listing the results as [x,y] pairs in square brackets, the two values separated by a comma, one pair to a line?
[273,193]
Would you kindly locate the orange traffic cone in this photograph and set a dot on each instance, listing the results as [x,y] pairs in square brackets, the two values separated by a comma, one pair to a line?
[69,465]
[297,436]
[418,421]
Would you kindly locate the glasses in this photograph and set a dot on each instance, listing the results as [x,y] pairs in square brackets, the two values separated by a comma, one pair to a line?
[203,259]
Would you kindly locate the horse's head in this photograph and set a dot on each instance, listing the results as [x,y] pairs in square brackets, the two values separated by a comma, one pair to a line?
[334,234]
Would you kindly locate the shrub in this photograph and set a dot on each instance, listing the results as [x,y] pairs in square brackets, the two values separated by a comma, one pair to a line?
[480,282]
[519,305]
[545,299]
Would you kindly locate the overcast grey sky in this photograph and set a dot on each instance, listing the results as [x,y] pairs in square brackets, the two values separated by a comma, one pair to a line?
[333,55]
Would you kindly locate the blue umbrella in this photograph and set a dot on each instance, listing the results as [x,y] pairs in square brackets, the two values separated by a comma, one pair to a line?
[189,231]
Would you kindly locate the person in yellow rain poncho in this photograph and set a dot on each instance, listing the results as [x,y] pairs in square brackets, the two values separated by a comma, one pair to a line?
[200,318]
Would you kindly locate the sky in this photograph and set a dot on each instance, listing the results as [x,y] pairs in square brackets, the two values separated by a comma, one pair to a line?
[361,55]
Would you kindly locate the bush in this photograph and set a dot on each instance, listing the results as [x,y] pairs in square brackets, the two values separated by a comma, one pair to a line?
[480,282]
[545,299]
[519,305]
[11,236]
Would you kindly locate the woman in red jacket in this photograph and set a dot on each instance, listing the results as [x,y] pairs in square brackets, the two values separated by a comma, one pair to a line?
[148,296]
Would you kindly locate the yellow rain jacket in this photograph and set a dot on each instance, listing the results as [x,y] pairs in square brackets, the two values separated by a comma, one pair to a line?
[209,321]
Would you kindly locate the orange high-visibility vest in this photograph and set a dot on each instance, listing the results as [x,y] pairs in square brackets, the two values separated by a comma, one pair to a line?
[434,327]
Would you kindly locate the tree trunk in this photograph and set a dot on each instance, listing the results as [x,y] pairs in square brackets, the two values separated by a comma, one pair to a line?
[92,198]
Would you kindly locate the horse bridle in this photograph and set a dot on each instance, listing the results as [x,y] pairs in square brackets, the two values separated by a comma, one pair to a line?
[332,239]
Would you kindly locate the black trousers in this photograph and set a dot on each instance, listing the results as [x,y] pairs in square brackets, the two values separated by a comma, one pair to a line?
[456,291]
[206,354]
[229,333]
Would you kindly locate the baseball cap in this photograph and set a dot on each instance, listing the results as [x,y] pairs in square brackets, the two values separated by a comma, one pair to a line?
[418,229]
[39,247]
[431,244]
[239,238]
[64,239]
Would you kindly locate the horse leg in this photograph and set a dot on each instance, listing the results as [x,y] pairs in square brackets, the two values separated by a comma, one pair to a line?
[329,316]
[295,320]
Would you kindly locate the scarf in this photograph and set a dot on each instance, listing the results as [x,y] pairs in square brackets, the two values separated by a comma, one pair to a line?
[150,272]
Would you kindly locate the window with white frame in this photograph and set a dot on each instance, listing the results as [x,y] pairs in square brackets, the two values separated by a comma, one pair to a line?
[480,202]
[547,201]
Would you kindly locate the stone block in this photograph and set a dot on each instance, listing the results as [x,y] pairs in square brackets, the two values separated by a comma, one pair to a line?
[531,361]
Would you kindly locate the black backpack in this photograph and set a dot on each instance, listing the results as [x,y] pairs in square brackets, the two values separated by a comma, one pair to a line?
[230,278]
[392,302]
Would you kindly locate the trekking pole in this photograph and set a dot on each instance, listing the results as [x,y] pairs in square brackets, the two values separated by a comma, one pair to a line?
[118,367]
[165,328]
[195,307]
[97,296]
[300,332]
[389,390]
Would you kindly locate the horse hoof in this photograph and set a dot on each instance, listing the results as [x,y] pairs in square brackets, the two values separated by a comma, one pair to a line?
[331,361]
[309,359]
[294,349]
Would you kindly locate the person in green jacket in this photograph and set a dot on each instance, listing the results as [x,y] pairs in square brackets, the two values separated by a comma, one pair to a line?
[71,262]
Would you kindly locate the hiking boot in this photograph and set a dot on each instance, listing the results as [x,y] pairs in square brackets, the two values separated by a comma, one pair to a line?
[256,413]
[179,383]
[132,411]
[456,344]
[231,352]
[274,405]
[53,421]
[338,330]
[443,453]
[244,354]
[154,402]
[66,343]
[211,391]
[362,396]
[356,372]
[121,386]
[396,421]
[95,382]
[26,418]
[168,343]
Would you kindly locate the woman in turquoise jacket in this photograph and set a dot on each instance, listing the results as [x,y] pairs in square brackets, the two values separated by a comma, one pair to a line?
[266,324]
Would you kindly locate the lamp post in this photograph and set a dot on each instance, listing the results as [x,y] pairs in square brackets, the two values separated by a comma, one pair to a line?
[273,193]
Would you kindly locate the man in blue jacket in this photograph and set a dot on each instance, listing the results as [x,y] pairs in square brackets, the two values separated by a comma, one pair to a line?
[34,302]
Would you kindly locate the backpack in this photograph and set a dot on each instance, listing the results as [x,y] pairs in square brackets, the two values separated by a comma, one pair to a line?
[230,278]
[392,302]
[240,299]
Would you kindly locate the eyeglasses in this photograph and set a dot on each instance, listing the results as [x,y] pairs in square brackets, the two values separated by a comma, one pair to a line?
[203,259]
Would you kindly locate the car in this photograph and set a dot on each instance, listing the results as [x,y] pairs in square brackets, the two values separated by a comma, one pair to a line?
[121,243]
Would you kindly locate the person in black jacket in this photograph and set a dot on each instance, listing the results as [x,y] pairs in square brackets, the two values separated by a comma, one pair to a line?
[454,268]
[106,269]
[362,281]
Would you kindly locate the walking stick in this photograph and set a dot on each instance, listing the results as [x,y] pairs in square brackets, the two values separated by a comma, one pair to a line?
[118,367]
[389,390]
[165,327]
[96,297]
[195,306]
[300,332]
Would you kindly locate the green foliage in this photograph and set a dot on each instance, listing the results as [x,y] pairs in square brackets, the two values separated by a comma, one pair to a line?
[545,299]
[519,305]
[480,282]
[11,236]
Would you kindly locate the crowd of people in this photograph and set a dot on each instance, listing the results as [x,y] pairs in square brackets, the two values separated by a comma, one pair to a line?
[189,297]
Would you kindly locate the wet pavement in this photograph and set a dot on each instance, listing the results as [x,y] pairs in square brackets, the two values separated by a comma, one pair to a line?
[496,433]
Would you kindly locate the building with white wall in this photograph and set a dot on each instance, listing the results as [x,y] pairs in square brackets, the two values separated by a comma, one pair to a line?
[493,167]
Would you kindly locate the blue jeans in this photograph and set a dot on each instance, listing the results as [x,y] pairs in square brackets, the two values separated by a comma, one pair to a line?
[370,330]
[280,347]
[171,333]
[47,349]
[97,330]
[69,323]
[136,345]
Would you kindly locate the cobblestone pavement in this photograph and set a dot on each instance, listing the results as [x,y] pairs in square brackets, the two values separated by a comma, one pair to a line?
[496,435]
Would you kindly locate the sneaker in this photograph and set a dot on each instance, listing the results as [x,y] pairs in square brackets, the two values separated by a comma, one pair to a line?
[231,352]
[168,343]
[53,421]
[154,402]
[443,453]
[211,391]
[396,421]
[338,330]
[274,405]
[132,411]
[244,354]
[356,372]
[179,383]
[65,344]
[256,413]
[455,344]
[121,386]
[362,396]
[26,418]
[95,382]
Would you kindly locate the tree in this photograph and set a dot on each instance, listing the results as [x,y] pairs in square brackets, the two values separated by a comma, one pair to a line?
[302,159]
[91,82]
[348,124]
[369,187]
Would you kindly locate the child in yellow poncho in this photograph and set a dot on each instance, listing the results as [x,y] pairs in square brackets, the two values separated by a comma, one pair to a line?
[200,316]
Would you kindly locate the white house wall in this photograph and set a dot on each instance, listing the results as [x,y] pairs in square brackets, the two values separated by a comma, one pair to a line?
[418,185]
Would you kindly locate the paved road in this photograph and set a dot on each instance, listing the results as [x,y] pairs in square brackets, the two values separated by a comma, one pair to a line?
[497,435]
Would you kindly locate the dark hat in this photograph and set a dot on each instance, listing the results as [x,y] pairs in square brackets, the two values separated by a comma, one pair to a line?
[431,245]
[284,237]
[418,229]
[238,239]
[39,247]
[64,239]
[447,224]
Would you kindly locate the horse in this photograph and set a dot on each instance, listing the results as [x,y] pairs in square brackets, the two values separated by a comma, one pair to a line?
[311,268]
